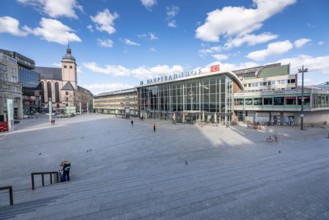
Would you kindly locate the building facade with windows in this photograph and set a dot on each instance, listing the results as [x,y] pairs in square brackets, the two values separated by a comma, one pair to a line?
[121,102]
[10,88]
[30,81]
[263,94]
[202,97]
[271,95]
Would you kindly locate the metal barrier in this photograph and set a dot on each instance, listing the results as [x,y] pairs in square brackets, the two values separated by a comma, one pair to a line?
[43,178]
[10,188]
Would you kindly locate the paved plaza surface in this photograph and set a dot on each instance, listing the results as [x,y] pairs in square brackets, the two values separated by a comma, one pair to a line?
[181,171]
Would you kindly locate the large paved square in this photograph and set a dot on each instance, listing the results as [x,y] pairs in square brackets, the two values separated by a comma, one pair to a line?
[120,171]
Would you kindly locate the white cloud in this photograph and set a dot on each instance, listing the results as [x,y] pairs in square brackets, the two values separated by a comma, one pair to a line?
[314,64]
[220,56]
[153,36]
[171,14]
[321,43]
[104,21]
[108,69]
[56,8]
[301,42]
[130,43]
[172,11]
[152,49]
[90,28]
[96,89]
[172,24]
[105,43]
[141,72]
[53,30]
[11,26]
[273,49]
[230,66]
[249,39]
[148,4]
[148,36]
[239,21]
[57,64]
[210,50]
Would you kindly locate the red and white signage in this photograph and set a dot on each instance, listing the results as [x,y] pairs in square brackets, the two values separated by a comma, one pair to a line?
[214,68]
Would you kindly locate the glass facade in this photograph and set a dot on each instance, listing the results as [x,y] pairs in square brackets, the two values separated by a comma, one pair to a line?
[31,87]
[189,101]
[29,78]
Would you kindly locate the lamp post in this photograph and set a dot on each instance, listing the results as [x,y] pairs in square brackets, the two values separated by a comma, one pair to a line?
[302,70]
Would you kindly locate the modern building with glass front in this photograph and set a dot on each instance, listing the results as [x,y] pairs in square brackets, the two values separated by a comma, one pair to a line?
[197,97]
[30,81]
[262,94]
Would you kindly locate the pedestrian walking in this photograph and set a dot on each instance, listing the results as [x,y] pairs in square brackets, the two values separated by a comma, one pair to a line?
[154,127]
[132,123]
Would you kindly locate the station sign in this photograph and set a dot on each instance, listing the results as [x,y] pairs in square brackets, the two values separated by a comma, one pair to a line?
[213,68]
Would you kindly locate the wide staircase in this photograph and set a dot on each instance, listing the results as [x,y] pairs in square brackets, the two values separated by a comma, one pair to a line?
[47,202]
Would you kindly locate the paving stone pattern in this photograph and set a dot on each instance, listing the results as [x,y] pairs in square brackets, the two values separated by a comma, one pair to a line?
[179,172]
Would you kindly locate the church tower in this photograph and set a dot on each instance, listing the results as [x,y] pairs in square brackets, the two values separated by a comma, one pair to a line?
[69,69]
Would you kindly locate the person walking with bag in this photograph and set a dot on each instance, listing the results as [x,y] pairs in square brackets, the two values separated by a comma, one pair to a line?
[154,127]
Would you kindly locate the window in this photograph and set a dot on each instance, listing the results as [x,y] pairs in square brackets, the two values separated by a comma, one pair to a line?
[248,101]
[306,100]
[56,92]
[65,66]
[268,101]
[278,100]
[70,67]
[291,100]
[49,89]
[257,101]
[238,101]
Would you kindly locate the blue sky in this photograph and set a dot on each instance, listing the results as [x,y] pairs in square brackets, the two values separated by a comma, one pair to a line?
[118,43]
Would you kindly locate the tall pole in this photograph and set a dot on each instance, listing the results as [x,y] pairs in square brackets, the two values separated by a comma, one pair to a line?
[50,107]
[302,103]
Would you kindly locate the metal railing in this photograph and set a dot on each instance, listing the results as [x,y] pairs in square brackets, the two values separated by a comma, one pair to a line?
[10,188]
[51,173]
